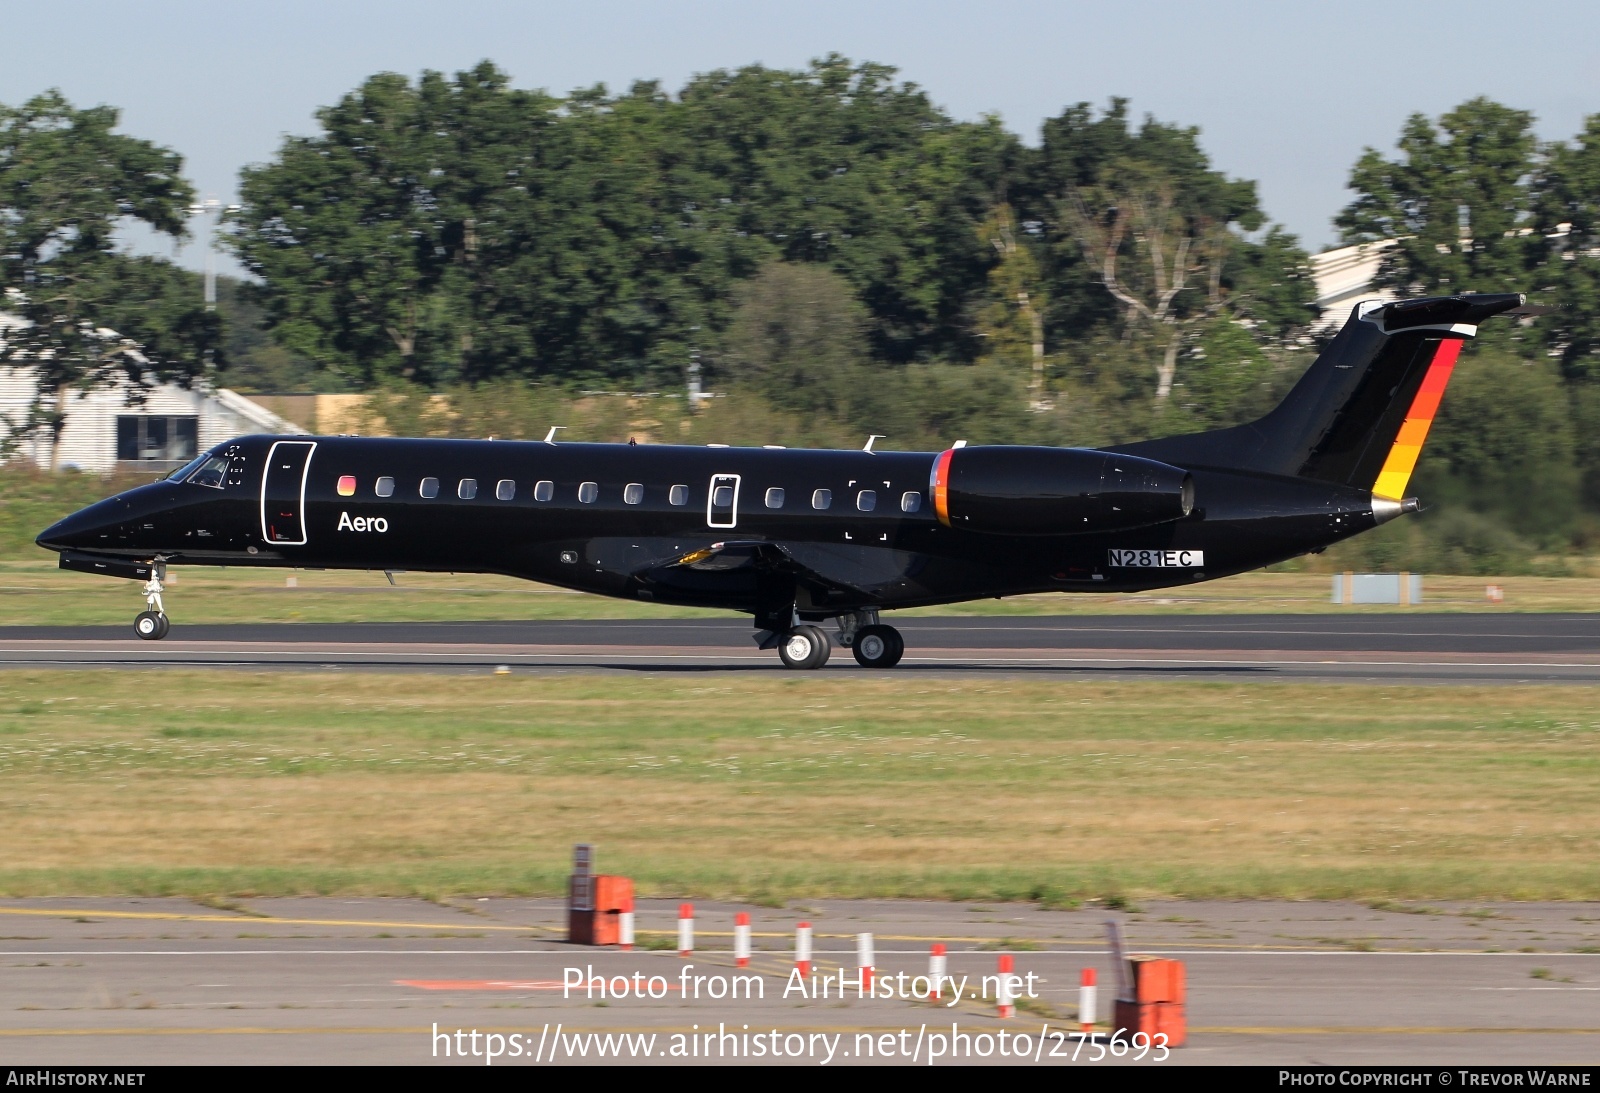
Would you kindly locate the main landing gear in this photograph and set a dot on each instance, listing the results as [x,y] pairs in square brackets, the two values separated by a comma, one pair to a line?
[804,647]
[873,644]
[878,647]
[152,623]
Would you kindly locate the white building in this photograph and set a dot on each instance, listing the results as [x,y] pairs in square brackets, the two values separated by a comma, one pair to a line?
[107,428]
[105,431]
[1344,276]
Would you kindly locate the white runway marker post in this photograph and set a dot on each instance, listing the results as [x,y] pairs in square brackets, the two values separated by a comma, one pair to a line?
[685,929]
[1005,993]
[936,971]
[802,950]
[625,931]
[864,960]
[1086,992]
[741,940]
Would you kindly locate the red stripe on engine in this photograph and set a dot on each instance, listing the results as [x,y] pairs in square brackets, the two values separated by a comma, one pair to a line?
[939,486]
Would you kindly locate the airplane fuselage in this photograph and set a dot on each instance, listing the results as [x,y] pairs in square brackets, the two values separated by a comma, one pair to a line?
[859,529]
[797,536]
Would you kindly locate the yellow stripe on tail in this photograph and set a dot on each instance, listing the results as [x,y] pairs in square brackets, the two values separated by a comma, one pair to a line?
[1402,460]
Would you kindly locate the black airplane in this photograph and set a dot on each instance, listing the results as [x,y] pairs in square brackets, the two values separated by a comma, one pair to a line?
[798,537]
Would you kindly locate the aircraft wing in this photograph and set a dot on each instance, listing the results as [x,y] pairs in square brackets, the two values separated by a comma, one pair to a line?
[766,559]
[743,573]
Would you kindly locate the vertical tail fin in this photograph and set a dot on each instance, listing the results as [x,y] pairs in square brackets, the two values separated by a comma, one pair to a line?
[1359,415]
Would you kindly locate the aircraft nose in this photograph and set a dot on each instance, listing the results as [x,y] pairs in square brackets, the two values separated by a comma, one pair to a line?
[95,526]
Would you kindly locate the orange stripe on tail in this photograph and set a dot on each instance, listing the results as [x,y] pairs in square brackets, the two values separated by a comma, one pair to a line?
[1402,459]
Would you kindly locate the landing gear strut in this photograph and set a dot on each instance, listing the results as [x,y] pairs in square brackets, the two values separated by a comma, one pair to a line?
[152,623]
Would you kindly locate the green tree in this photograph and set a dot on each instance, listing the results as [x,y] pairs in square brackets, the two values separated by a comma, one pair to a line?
[1568,207]
[1013,320]
[255,363]
[1137,230]
[1504,445]
[798,336]
[353,233]
[1586,430]
[1456,201]
[1269,285]
[92,316]
[1162,262]
[837,164]
[1228,376]
[1081,153]
[461,229]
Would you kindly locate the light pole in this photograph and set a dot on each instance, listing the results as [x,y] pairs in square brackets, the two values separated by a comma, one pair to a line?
[213,209]
[694,381]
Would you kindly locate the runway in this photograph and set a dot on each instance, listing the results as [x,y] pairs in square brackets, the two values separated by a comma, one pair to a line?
[1420,647]
[129,981]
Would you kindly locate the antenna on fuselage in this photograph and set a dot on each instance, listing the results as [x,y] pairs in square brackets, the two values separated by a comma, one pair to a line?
[873,439]
[550,437]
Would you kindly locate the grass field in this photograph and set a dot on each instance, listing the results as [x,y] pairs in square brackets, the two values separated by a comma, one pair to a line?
[223,783]
[37,593]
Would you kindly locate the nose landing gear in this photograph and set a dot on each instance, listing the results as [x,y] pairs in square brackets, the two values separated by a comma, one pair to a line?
[152,623]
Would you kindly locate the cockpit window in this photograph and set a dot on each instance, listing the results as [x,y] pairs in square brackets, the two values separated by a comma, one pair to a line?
[187,469]
[213,472]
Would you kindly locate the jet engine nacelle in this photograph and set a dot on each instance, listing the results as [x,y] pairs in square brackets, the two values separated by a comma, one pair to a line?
[1016,490]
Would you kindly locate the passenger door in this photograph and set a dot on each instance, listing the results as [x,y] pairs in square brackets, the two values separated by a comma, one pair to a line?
[722,506]
[283,492]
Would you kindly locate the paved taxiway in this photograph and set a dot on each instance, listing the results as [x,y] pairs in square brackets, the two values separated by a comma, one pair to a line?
[335,980]
[1419,647]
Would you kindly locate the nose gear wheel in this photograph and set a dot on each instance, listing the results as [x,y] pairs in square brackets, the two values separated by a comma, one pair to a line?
[152,623]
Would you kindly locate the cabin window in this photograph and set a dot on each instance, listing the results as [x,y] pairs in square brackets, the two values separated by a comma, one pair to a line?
[588,491]
[775,497]
[633,493]
[678,495]
[543,490]
[821,499]
[429,487]
[505,489]
[867,500]
[467,489]
[347,485]
[384,487]
[910,502]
